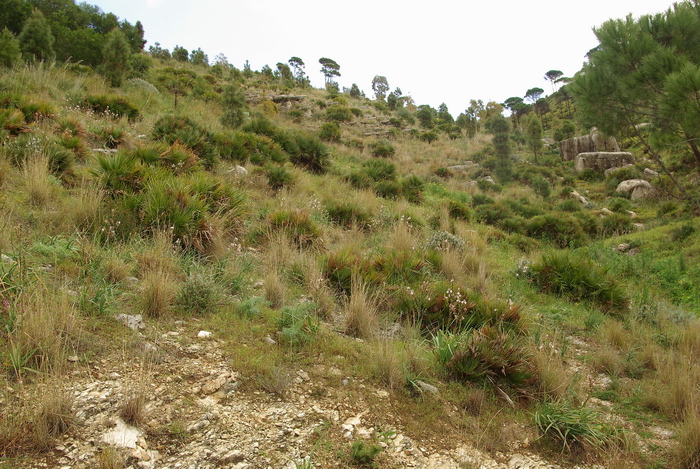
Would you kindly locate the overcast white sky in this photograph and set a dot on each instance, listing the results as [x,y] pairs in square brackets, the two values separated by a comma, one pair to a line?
[437,51]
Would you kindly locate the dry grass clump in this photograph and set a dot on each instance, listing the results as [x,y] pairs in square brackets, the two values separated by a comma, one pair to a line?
[82,211]
[110,458]
[37,182]
[686,454]
[275,290]
[133,408]
[55,417]
[158,255]
[274,379]
[115,268]
[37,426]
[680,385]
[552,379]
[385,364]
[614,333]
[361,315]
[48,331]
[608,361]
[157,293]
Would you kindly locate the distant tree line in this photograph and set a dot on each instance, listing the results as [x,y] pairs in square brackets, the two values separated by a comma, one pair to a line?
[64,31]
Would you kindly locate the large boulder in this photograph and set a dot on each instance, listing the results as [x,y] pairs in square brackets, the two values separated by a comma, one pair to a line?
[594,142]
[602,160]
[637,188]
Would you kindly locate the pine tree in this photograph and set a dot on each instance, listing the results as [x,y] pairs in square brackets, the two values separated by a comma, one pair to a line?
[501,146]
[235,106]
[36,40]
[9,49]
[533,130]
[115,55]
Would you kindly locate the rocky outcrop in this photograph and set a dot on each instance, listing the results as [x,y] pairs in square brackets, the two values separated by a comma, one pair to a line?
[637,188]
[600,161]
[595,142]
[288,98]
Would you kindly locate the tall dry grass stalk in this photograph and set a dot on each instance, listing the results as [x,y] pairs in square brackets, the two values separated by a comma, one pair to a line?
[275,289]
[157,293]
[48,326]
[385,364]
[361,315]
[82,211]
[552,380]
[36,176]
[158,255]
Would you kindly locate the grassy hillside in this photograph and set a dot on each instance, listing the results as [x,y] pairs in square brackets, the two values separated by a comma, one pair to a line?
[328,233]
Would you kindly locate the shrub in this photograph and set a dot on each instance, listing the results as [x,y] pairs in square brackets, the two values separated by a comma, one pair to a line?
[199,294]
[459,210]
[112,136]
[560,229]
[388,189]
[541,187]
[412,188]
[297,326]
[119,172]
[279,177]
[112,106]
[339,113]
[481,199]
[591,175]
[682,232]
[347,214]
[570,425]
[379,170]
[382,149]
[183,130]
[298,225]
[577,278]
[442,240]
[330,132]
[488,353]
[615,224]
[313,155]
[246,146]
[169,205]
[619,204]
[429,136]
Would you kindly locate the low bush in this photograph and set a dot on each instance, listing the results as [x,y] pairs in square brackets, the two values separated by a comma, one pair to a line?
[185,131]
[330,132]
[339,113]
[112,106]
[561,229]
[278,177]
[570,425]
[313,155]
[297,224]
[347,214]
[577,278]
[488,353]
[382,149]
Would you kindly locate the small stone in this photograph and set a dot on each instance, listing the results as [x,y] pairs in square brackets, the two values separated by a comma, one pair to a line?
[72,358]
[233,457]
[622,247]
[425,387]
[134,322]
[204,335]
[270,340]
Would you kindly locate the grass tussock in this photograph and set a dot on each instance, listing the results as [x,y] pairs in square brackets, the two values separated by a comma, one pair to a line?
[360,311]
[157,294]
